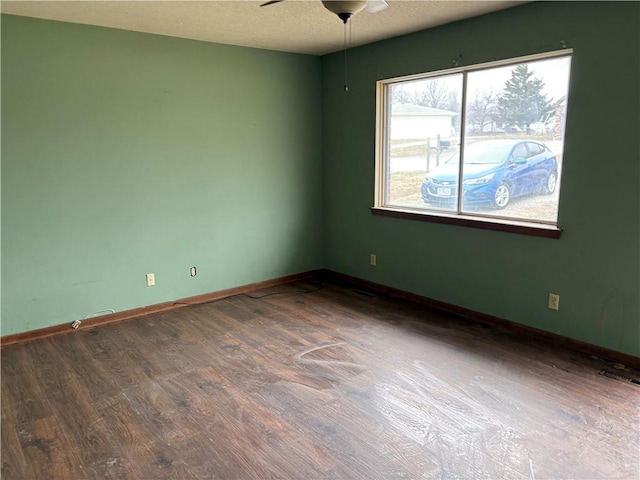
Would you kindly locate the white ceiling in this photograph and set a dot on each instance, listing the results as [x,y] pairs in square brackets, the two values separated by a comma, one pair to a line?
[300,26]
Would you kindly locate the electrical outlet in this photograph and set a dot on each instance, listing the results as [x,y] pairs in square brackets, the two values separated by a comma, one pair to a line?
[192,271]
[151,279]
[554,301]
[373,259]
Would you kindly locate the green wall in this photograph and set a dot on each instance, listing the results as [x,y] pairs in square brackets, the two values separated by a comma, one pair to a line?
[125,153]
[595,266]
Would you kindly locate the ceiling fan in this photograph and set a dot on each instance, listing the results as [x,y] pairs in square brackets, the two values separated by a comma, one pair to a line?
[346,9]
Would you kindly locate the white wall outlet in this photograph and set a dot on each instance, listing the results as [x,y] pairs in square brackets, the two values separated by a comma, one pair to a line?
[192,271]
[373,260]
[554,301]
[151,279]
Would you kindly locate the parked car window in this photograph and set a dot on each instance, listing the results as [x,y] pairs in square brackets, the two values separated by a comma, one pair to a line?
[535,149]
[519,151]
[492,151]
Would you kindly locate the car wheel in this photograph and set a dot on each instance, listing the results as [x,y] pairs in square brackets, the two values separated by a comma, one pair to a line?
[550,185]
[502,196]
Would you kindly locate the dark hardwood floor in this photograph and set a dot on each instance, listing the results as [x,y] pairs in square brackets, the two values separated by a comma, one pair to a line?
[337,383]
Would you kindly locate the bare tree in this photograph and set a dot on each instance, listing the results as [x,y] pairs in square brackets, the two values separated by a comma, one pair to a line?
[482,110]
[400,95]
[435,95]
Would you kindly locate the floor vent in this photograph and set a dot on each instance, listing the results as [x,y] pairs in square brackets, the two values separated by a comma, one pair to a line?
[617,376]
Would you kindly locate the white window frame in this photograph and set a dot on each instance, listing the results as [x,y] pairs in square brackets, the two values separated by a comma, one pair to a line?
[383,103]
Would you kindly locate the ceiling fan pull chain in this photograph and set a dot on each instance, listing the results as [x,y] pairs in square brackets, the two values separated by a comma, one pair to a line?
[346,84]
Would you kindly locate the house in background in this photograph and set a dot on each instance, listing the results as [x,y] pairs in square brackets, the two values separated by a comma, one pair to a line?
[126,153]
[411,122]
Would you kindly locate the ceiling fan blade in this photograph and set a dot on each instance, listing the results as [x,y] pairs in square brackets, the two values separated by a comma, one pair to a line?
[375,6]
[271,2]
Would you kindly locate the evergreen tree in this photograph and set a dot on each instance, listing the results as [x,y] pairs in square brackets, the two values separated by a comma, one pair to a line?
[522,102]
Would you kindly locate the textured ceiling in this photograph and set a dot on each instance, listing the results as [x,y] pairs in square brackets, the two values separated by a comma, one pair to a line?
[291,26]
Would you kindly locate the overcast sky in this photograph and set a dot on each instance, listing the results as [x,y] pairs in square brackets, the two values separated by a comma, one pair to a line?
[554,72]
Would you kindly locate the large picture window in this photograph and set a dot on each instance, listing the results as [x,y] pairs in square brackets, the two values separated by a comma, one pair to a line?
[483,142]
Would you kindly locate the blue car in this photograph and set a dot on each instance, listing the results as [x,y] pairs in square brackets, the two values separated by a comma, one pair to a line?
[494,172]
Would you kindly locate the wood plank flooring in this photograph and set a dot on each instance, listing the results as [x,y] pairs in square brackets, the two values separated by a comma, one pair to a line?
[337,383]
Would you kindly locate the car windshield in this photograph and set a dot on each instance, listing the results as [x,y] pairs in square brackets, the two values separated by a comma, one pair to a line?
[482,153]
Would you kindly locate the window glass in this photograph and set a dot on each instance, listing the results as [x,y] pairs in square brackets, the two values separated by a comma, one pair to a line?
[535,149]
[519,151]
[504,162]
[424,125]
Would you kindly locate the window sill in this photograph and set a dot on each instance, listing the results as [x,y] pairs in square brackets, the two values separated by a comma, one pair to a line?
[500,225]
